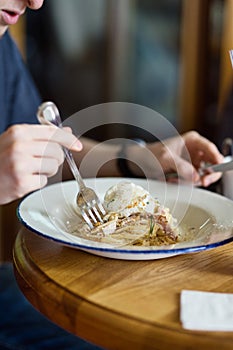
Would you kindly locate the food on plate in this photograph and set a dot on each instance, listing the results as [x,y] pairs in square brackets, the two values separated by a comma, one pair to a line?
[133,217]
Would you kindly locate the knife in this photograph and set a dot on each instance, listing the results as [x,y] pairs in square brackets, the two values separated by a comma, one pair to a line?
[226,165]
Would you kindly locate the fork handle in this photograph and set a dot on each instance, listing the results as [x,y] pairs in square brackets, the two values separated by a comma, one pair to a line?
[48,114]
[73,168]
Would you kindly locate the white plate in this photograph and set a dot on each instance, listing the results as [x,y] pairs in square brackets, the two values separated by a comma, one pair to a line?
[49,212]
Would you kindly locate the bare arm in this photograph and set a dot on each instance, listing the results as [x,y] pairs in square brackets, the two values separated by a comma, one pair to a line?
[181,154]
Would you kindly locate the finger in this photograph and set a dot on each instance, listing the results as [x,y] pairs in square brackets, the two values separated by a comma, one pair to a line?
[64,138]
[46,166]
[43,132]
[209,179]
[49,150]
[29,165]
[186,171]
[27,184]
[201,149]
[43,166]
[39,149]
[33,182]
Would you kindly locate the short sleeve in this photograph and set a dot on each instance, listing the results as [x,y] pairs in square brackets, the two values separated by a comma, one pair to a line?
[19,98]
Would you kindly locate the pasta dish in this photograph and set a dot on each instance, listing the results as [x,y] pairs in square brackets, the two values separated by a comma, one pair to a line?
[133,217]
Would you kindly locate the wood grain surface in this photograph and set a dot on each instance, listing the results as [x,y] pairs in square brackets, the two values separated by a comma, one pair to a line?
[121,304]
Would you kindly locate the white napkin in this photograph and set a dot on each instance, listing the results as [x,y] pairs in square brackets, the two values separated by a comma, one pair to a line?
[206,311]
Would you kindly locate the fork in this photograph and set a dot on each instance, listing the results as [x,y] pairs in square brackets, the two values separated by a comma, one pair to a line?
[87,200]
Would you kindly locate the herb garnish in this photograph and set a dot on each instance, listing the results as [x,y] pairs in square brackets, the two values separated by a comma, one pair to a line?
[152,224]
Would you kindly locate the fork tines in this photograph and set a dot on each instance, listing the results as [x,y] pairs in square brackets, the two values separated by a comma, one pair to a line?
[93,213]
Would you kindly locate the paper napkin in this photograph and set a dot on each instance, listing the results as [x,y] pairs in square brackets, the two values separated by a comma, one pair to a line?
[206,311]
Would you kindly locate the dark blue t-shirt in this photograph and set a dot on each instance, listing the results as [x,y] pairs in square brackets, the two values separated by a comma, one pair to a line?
[19,98]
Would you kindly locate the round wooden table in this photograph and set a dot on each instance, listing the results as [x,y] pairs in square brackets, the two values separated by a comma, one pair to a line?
[121,304]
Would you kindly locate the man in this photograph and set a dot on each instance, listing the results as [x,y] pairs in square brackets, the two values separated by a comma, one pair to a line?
[23,147]
[30,154]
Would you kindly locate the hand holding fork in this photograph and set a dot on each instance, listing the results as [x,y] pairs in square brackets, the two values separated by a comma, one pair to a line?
[87,200]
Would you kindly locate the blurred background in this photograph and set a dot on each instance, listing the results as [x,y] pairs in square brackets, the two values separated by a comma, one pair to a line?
[169,55]
[85,52]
